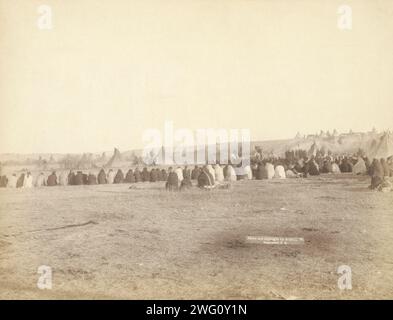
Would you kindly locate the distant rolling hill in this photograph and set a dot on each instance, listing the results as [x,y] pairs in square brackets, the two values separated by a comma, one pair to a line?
[340,144]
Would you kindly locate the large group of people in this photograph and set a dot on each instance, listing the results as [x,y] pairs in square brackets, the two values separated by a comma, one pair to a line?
[211,175]
[380,170]
[175,178]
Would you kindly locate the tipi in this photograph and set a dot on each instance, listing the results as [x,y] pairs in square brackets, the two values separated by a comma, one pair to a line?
[384,148]
[313,150]
[115,161]
[86,161]
[298,136]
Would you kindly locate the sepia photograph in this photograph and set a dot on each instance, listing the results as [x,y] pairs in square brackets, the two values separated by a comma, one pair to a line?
[232,150]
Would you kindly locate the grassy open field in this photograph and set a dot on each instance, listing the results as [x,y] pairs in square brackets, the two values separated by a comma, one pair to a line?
[109,241]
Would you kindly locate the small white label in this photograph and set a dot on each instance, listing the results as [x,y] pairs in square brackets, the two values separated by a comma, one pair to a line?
[345,280]
[44,21]
[45,278]
[344,21]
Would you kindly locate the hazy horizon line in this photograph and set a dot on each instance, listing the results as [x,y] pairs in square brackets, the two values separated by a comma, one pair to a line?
[133,149]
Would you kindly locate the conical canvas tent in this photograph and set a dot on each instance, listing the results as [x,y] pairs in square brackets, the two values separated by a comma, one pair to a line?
[51,160]
[100,161]
[86,161]
[115,161]
[384,148]
[41,163]
[103,157]
[372,148]
[313,150]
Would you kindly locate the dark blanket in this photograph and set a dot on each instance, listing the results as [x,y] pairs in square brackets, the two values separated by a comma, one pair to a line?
[3,181]
[172,182]
[52,180]
[91,179]
[78,179]
[102,177]
[186,173]
[130,178]
[311,169]
[205,179]
[153,175]
[164,175]
[119,177]
[137,175]
[195,173]
[145,175]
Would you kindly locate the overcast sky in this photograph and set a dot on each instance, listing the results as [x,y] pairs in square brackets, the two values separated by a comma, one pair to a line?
[110,69]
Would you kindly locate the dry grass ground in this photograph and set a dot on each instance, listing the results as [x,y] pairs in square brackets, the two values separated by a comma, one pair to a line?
[109,241]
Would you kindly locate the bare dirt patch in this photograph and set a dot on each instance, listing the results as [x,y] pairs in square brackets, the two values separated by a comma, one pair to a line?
[109,241]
